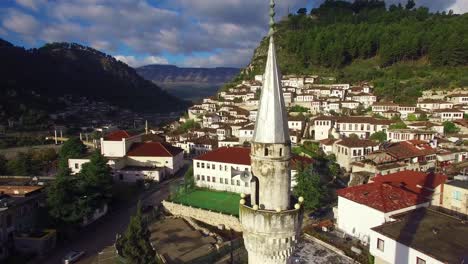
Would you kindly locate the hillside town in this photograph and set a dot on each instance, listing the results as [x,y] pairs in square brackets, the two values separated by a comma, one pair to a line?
[271,169]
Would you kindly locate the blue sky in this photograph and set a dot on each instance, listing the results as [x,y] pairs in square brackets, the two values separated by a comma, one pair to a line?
[196,33]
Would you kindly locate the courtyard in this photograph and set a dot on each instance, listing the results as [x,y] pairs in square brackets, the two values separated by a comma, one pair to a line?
[223,202]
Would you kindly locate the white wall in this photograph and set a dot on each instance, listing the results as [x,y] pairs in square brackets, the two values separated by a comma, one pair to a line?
[221,171]
[395,252]
[357,219]
[75,165]
[113,148]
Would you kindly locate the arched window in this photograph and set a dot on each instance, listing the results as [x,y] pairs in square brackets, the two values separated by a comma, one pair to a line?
[266,152]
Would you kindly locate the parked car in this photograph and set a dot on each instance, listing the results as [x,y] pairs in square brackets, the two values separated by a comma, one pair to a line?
[73,256]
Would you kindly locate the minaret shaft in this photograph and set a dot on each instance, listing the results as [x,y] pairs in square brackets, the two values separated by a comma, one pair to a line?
[271,224]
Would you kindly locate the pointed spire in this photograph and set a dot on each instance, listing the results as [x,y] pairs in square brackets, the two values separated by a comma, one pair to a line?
[272,18]
[272,123]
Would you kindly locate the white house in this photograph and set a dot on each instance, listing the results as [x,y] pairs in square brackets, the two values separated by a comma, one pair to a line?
[443,115]
[348,150]
[220,169]
[422,236]
[397,135]
[363,207]
[117,143]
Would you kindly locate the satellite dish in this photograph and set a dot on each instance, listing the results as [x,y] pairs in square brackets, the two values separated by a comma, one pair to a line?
[244,175]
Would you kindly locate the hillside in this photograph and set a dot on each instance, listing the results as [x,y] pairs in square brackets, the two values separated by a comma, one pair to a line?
[402,50]
[33,79]
[188,83]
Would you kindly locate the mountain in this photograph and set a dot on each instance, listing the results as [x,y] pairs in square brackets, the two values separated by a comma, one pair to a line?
[188,83]
[402,50]
[33,79]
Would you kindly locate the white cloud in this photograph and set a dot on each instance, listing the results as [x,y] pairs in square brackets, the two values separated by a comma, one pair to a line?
[137,62]
[460,7]
[225,58]
[31,4]
[20,22]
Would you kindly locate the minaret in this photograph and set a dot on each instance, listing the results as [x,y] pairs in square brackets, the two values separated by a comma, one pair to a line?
[270,217]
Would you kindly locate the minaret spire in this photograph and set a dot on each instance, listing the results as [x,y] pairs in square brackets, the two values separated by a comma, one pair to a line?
[270,218]
[272,124]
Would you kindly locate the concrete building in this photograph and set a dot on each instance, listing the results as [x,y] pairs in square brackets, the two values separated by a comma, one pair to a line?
[422,236]
[349,150]
[270,219]
[397,135]
[455,197]
[383,198]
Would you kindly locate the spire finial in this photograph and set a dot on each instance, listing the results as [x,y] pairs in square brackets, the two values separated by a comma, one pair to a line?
[272,18]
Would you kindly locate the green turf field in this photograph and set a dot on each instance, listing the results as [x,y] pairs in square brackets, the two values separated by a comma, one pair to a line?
[223,202]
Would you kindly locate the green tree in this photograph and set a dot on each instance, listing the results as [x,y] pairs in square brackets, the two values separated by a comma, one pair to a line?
[379,136]
[412,118]
[189,125]
[23,165]
[189,181]
[65,200]
[398,125]
[309,187]
[135,246]
[410,4]
[3,165]
[72,148]
[96,180]
[450,128]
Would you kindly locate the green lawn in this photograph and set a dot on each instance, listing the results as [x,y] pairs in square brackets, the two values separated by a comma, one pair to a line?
[223,202]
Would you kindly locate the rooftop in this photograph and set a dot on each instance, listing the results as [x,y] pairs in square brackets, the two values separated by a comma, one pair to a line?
[357,143]
[395,191]
[117,135]
[459,184]
[153,149]
[433,233]
[19,190]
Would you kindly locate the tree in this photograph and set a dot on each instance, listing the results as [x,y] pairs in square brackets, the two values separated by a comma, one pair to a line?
[309,187]
[23,165]
[379,136]
[189,181]
[412,117]
[450,128]
[398,125]
[96,180]
[3,165]
[135,246]
[65,199]
[410,4]
[72,148]
[302,11]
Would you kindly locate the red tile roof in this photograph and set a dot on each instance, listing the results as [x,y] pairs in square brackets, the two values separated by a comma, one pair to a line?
[117,135]
[153,149]
[239,156]
[394,191]
[406,149]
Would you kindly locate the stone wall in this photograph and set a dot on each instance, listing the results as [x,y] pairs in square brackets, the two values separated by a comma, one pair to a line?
[209,217]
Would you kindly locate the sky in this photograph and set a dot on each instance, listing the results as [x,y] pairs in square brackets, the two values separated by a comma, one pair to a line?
[187,33]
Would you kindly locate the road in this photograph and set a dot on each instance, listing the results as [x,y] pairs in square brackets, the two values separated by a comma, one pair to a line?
[102,233]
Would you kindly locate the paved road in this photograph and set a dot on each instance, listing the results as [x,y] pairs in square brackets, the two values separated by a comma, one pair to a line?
[101,234]
[309,252]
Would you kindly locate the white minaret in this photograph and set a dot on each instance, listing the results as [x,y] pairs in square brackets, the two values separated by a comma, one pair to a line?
[270,217]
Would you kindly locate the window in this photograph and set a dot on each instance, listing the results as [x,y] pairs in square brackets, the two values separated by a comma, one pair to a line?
[198,177]
[238,182]
[420,261]
[198,164]
[457,195]
[207,165]
[380,244]
[266,152]
[203,165]
[77,166]
[232,182]
[208,178]
[213,166]
[203,177]
[226,181]
[214,179]
[281,152]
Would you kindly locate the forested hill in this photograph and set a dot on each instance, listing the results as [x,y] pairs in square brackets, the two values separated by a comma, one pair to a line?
[402,49]
[32,79]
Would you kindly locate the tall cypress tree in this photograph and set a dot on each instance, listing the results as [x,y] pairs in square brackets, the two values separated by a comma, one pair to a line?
[134,246]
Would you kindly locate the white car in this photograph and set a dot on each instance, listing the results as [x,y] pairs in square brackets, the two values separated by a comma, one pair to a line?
[72,257]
